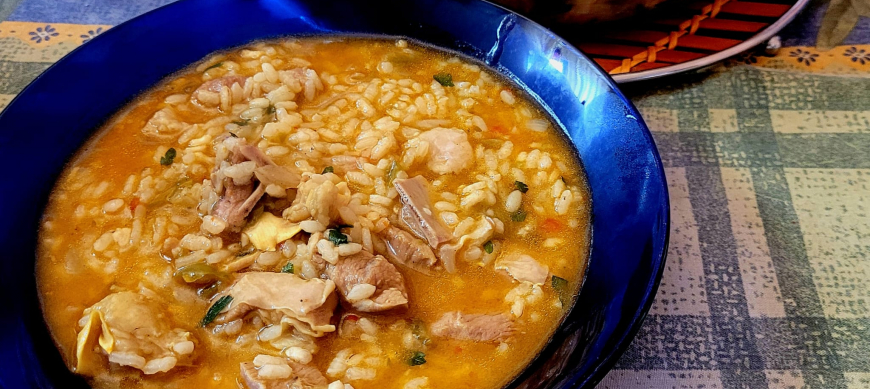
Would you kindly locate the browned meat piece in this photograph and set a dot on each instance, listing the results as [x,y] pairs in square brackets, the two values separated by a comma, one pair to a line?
[269,172]
[239,200]
[303,377]
[218,83]
[476,327]
[417,211]
[369,283]
[402,248]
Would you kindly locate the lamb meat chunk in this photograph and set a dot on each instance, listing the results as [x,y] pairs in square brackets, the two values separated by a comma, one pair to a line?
[368,282]
[284,298]
[402,248]
[237,200]
[474,327]
[303,377]
[524,268]
[216,84]
[417,211]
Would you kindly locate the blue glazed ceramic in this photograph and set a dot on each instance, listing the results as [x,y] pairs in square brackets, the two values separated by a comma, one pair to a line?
[52,118]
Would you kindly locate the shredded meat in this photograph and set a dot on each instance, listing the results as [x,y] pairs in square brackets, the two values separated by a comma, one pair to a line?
[523,268]
[216,84]
[303,377]
[239,200]
[475,327]
[284,298]
[164,126]
[402,248]
[364,268]
[417,211]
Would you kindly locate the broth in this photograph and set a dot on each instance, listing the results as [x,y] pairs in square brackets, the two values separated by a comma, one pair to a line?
[333,134]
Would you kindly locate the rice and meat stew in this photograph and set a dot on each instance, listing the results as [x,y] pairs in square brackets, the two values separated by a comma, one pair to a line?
[313,213]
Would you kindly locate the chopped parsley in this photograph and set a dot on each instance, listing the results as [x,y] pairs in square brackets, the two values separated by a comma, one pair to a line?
[519,216]
[417,358]
[445,79]
[215,310]
[167,158]
[243,122]
[521,186]
[270,109]
[336,237]
[217,65]
[488,247]
[328,169]
[288,268]
[559,283]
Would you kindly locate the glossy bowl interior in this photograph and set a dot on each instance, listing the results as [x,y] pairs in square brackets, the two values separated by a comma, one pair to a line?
[44,126]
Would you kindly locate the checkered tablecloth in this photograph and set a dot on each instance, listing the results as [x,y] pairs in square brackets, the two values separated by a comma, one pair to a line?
[768,162]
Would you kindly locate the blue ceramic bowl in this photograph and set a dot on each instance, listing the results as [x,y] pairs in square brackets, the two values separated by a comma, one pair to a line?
[53,117]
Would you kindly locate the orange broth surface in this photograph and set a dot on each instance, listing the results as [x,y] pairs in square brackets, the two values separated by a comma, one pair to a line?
[72,275]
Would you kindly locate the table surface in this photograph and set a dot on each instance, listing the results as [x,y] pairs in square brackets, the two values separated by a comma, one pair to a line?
[768,162]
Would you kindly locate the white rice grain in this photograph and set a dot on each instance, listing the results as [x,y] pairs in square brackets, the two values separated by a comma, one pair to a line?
[183,348]
[537,125]
[360,292]
[562,203]
[327,251]
[298,354]
[159,365]
[275,372]
[513,201]
[359,373]
[348,249]
[507,97]
[113,205]
[418,383]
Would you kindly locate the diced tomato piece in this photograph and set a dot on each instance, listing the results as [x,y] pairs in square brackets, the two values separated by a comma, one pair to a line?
[499,129]
[133,204]
[552,225]
[351,317]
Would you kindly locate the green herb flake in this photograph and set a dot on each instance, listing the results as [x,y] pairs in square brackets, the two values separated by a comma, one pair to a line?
[217,65]
[488,247]
[336,237]
[328,169]
[417,358]
[240,123]
[394,169]
[288,268]
[167,158]
[521,186]
[445,79]
[215,310]
[519,216]
[270,109]
[559,283]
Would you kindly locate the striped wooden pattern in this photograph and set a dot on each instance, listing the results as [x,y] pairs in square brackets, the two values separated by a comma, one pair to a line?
[680,31]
